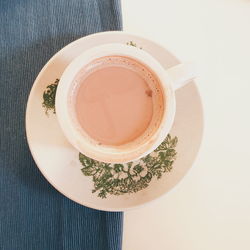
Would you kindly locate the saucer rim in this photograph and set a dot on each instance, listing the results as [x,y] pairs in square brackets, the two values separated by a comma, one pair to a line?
[89,204]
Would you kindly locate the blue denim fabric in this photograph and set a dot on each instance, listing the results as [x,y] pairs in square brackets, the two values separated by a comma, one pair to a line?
[33,215]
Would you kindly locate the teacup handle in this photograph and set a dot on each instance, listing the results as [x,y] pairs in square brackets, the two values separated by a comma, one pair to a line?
[181,74]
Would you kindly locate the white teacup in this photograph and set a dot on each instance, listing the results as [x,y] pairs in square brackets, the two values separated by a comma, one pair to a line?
[169,80]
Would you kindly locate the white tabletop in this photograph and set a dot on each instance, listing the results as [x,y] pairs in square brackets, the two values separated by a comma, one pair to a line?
[210,208]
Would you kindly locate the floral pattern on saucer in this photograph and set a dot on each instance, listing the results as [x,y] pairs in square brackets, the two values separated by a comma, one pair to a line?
[119,179]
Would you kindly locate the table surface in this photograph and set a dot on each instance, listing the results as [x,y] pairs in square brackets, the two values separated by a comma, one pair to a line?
[209,209]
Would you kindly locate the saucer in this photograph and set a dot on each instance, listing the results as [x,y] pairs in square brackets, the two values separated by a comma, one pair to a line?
[111,187]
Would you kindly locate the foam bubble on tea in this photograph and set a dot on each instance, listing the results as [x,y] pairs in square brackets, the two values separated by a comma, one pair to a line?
[115,100]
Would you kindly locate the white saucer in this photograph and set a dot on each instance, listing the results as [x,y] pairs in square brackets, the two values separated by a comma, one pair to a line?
[59,161]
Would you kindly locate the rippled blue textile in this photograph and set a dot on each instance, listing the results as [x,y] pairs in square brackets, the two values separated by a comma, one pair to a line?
[33,215]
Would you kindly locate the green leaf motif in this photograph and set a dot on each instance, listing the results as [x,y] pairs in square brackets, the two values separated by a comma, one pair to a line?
[131,43]
[49,96]
[119,179]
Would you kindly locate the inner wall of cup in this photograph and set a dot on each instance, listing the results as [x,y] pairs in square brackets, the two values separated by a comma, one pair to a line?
[154,84]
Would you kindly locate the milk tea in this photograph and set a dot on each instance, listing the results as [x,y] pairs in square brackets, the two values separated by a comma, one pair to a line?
[115,99]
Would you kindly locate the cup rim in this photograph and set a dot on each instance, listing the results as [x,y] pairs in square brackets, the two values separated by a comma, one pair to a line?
[95,151]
